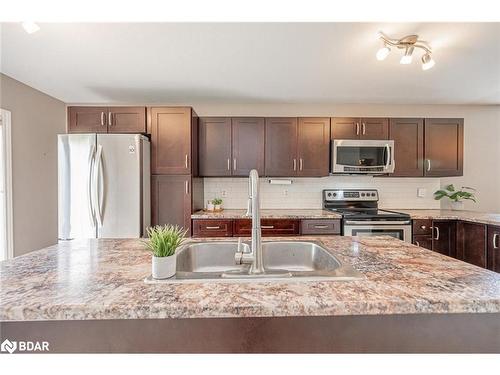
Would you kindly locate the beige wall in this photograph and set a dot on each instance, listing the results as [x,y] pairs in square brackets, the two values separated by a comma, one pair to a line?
[482,137]
[36,119]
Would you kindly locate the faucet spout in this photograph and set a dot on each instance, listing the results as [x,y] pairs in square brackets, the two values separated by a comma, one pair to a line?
[254,204]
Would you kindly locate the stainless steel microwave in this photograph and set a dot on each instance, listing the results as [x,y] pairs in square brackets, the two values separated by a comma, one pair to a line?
[362,156]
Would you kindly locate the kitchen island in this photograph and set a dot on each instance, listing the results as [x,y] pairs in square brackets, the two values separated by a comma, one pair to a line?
[409,299]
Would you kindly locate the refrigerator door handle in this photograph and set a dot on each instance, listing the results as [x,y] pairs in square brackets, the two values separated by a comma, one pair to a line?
[90,183]
[97,180]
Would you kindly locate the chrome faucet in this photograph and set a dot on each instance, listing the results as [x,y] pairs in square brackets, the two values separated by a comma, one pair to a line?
[255,256]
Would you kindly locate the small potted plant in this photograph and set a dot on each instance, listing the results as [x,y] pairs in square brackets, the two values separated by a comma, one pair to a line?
[217,202]
[163,242]
[210,206]
[456,196]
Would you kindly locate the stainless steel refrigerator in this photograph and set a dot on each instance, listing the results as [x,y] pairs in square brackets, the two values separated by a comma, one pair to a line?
[104,185]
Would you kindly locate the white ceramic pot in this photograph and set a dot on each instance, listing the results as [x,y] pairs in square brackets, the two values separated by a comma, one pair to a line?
[456,206]
[163,267]
[218,207]
[210,206]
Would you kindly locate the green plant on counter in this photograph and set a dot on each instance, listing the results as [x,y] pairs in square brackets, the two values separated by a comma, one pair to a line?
[164,240]
[456,195]
[216,201]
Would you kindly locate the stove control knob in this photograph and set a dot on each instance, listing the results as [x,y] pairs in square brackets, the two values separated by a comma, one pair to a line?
[373,194]
[329,194]
[363,194]
[334,194]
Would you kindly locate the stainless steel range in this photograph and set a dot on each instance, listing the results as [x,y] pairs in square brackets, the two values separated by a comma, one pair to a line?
[362,217]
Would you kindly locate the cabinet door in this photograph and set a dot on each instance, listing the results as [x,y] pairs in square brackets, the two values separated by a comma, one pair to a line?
[214,145]
[281,147]
[127,120]
[170,140]
[346,127]
[443,148]
[471,243]
[423,241]
[171,200]
[408,136]
[87,119]
[443,237]
[313,147]
[212,228]
[248,145]
[493,255]
[374,128]
[270,227]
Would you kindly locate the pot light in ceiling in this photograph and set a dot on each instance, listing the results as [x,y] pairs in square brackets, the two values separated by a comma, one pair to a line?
[408,44]
[30,27]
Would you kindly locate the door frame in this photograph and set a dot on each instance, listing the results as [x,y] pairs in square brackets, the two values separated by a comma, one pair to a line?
[5,119]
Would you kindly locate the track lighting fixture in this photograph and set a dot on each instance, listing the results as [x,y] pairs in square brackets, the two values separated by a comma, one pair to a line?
[408,44]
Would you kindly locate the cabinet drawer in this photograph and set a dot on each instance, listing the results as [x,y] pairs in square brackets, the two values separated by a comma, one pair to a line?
[423,241]
[212,228]
[422,227]
[321,226]
[270,227]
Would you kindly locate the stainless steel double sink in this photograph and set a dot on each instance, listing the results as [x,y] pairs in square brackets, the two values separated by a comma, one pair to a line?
[283,260]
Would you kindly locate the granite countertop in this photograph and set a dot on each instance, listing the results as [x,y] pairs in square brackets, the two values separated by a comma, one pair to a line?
[471,216]
[104,279]
[269,214]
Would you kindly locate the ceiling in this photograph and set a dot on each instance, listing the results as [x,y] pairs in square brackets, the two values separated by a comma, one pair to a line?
[252,63]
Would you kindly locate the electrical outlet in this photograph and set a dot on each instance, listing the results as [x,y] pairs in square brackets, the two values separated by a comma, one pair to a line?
[223,193]
[421,192]
[285,192]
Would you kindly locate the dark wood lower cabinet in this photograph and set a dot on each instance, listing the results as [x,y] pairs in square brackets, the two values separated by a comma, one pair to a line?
[493,248]
[270,227]
[423,241]
[471,243]
[320,226]
[212,228]
[444,237]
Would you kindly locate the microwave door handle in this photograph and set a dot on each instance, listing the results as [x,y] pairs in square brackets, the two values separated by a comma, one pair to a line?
[388,153]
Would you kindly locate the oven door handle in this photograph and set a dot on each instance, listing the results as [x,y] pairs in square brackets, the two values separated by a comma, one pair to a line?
[360,222]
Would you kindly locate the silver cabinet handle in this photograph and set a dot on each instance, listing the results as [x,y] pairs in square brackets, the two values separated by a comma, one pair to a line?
[364,128]
[357,128]
[187,187]
[102,119]
[217,227]
[294,164]
[267,226]
[428,165]
[495,237]
[301,164]
[417,243]
[228,164]
[437,233]
[321,226]
[186,161]
[234,164]
[110,119]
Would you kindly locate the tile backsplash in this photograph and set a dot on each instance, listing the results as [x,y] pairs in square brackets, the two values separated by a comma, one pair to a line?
[306,192]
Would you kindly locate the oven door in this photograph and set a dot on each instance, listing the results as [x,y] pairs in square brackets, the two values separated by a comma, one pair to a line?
[363,156]
[399,231]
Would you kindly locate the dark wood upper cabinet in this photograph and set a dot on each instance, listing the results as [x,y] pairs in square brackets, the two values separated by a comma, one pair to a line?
[87,119]
[281,147]
[247,145]
[374,128]
[171,200]
[443,148]
[313,147]
[471,243]
[171,140]
[493,248]
[360,128]
[444,237]
[408,136]
[346,127]
[127,120]
[215,146]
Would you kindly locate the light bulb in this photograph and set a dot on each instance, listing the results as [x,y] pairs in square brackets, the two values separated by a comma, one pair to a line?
[427,62]
[30,27]
[383,53]
[407,57]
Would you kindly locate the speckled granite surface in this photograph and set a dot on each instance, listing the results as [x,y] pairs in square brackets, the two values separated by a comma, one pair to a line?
[103,279]
[472,216]
[269,214]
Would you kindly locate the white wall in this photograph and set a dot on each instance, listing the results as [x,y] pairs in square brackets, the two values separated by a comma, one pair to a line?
[36,120]
[481,152]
